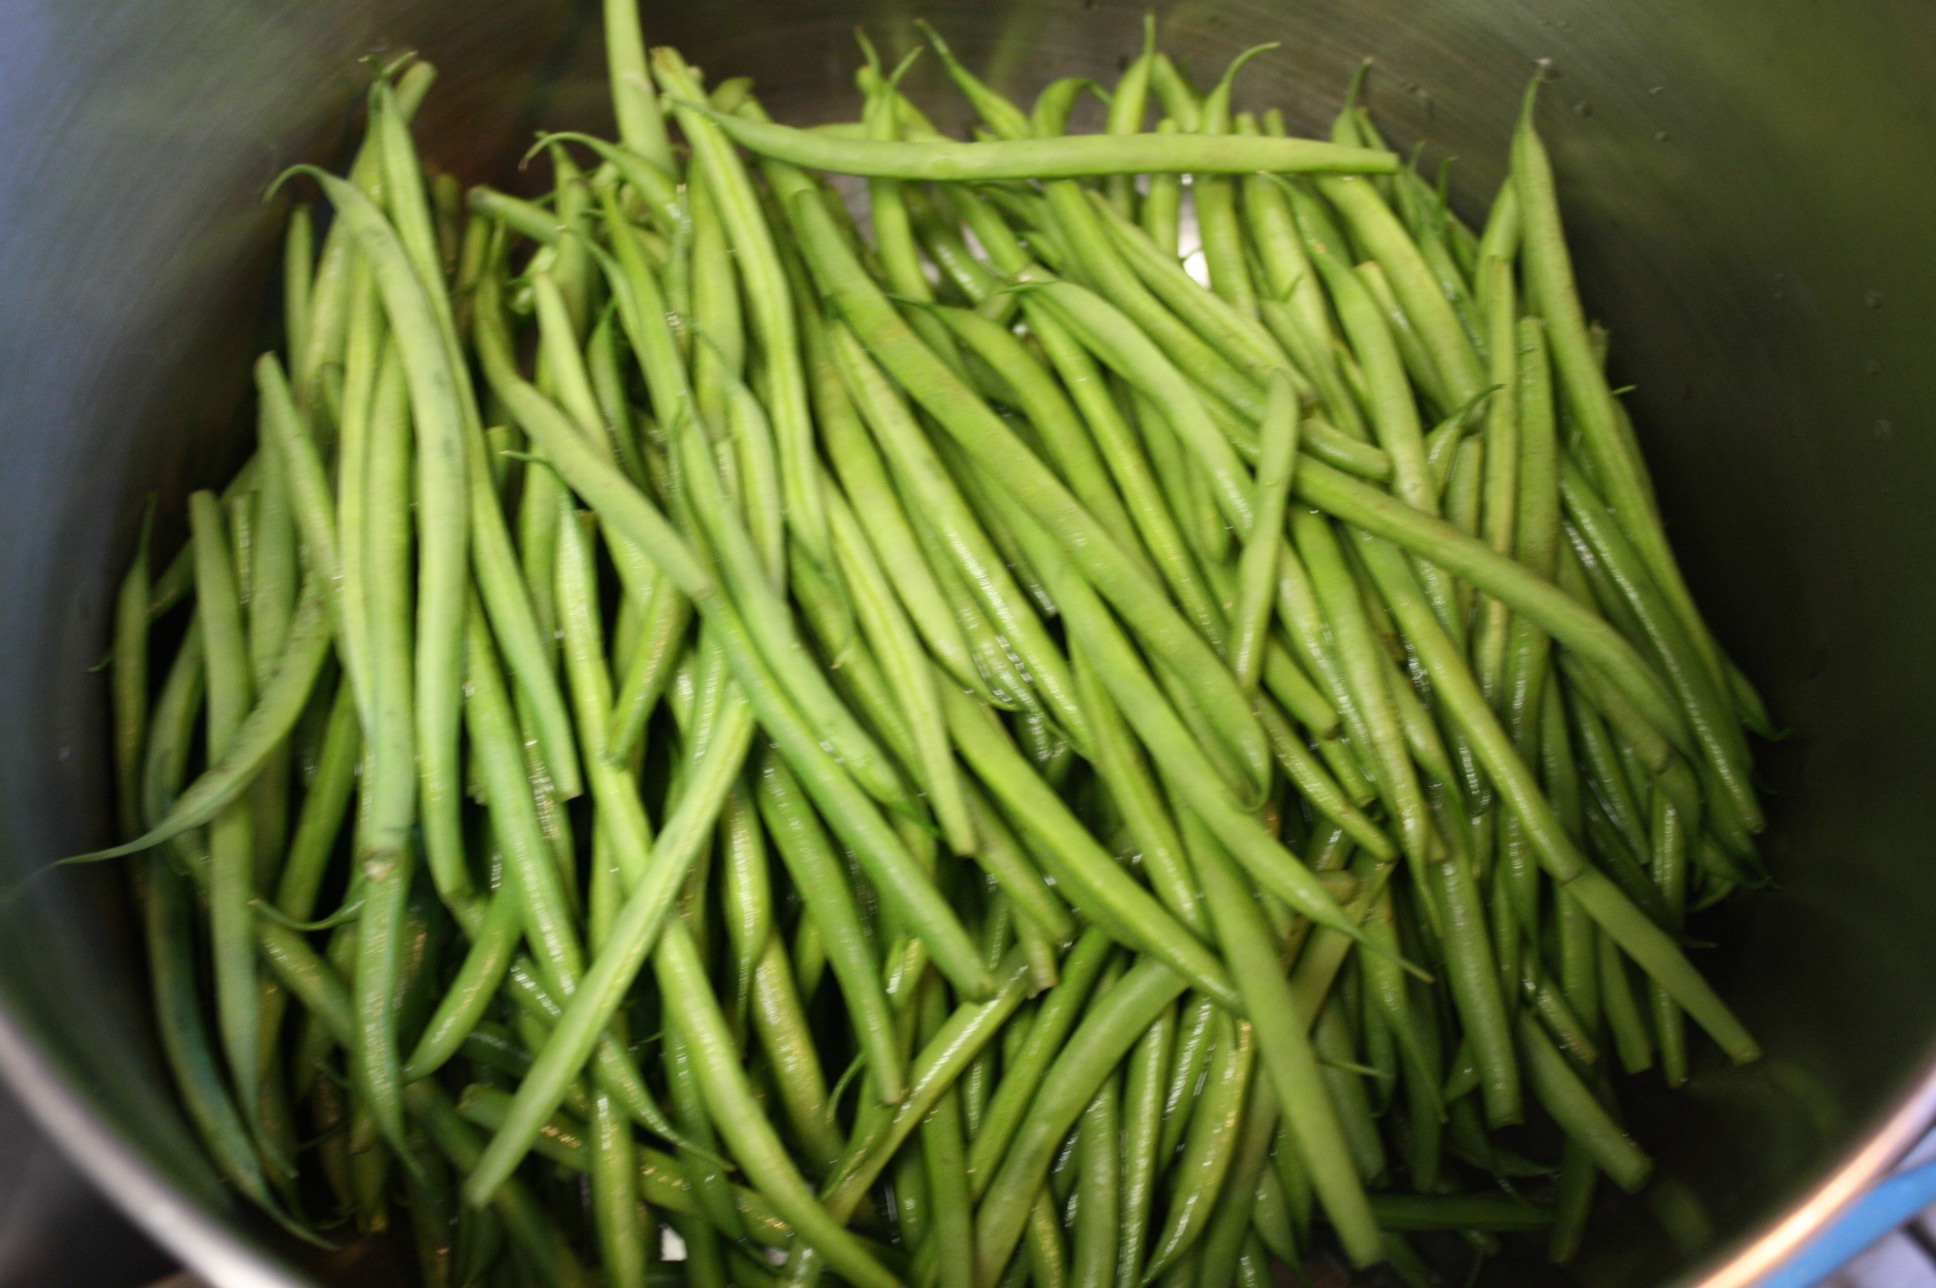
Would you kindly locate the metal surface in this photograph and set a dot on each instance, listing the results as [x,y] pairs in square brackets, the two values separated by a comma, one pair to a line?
[1749,184]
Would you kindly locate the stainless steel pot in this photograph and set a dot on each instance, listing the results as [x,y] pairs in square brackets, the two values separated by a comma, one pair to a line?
[1750,185]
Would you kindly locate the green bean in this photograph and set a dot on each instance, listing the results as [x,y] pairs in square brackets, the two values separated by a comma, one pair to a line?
[272,581]
[1076,156]
[1095,883]
[1500,508]
[720,1221]
[994,447]
[908,670]
[1215,196]
[1130,467]
[641,127]
[1668,834]
[1002,855]
[442,504]
[380,936]
[1547,607]
[1142,1125]
[737,1113]
[1573,1105]
[1122,343]
[1368,675]
[809,858]
[770,627]
[1288,1058]
[1128,105]
[1449,350]
[324,808]
[1158,726]
[661,1183]
[1063,433]
[1209,1147]
[621,815]
[858,464]
[637,924]
[1630,928]
[1473,975]
[1319,789]
[746,894]
[1002,117]
[1237,336]
[880,1132]
[1393,410]
[719,355]
[1257,571]
[167,907]
[1630,1037]
[848,809]
[1174,91]
[257,735]
[1709,714]
[1049,117]
[1196,1027]
[781,1024]
[1552,291]
[529,868]
[1111,1027]
[660,646]
[925,480]
[1162,214]
[231,862]
[1344,1082]
[774,325]
[471,991]
[541,1242]
[1121,766]
[1092,1261]
[1055,1018]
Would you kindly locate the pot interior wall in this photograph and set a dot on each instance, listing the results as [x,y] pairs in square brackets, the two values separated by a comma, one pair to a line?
[1748,184]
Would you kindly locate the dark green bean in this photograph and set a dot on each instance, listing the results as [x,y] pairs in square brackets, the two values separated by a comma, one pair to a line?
[1636,934]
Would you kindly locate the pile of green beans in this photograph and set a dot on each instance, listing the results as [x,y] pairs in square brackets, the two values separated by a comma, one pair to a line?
[970,751]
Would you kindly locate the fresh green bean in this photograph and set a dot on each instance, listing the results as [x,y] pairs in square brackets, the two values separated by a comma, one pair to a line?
[804,849]
[909,672]
[1111,1028]
[994,446]
[1095,883]
[739,1117]
[1257,570]
[774,325]
[1209,1147]
[231,850]
[925,480]
[1077,156]
[1638,936]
